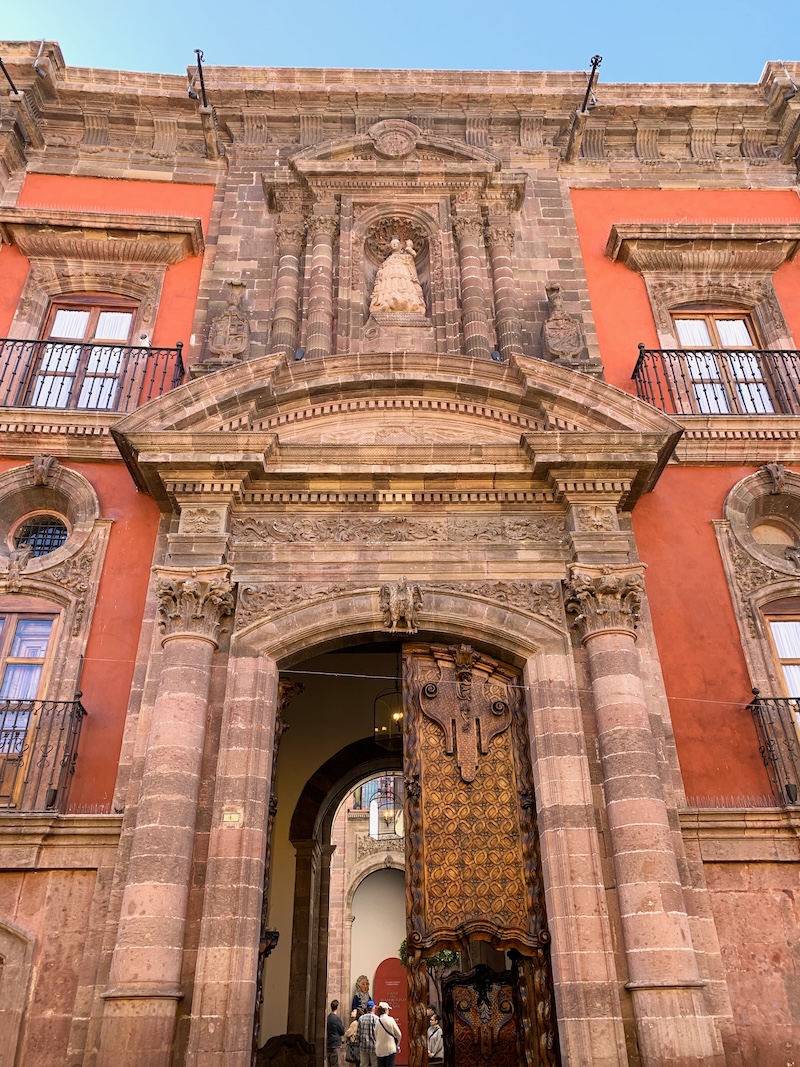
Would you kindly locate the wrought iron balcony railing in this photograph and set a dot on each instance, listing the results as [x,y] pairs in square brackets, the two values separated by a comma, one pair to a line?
[85,377]
[38,751]
[719,381]
[777,722]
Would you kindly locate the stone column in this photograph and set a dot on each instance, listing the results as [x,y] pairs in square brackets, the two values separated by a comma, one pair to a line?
[674,1028]
[319,335]
[144,982]
[500,239]
[285,321]
[469,234]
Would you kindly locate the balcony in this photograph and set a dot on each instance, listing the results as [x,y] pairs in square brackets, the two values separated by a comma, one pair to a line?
[777,721]
[85,377]
[719,381]
[38,751]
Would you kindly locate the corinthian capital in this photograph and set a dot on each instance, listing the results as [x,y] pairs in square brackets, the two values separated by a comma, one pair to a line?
[290,239]
[604,599]
[323,225]
[468,229]
[501,237]
[193,605]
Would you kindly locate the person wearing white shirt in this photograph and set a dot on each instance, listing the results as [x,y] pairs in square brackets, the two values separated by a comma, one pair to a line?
[387,1036]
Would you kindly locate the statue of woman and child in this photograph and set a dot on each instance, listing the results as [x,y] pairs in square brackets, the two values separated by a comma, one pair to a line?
[397,288]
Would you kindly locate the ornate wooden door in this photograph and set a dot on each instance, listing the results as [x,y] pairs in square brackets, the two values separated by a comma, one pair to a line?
[473,869]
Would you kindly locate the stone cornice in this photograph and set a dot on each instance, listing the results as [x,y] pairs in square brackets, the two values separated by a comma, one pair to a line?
[44,233]
[46,842]
[710,440]
[673,247]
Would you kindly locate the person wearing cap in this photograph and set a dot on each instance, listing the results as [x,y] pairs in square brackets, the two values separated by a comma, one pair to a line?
[387,1036]
[366,1036]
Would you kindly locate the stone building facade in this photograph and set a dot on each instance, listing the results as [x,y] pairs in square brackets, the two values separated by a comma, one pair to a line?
[234,483]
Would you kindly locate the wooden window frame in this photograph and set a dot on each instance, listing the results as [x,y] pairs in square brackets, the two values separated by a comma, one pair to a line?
[95,305]
[726,379]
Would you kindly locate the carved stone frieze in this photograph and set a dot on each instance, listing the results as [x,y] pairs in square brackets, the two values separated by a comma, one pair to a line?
[399,528]
[399,604]
[537,597]
[604,598]
[201,520]
[371,846]
[192,605]
[257,602]
[595,519]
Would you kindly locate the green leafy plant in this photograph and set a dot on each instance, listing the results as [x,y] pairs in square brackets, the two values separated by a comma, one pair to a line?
[436,966]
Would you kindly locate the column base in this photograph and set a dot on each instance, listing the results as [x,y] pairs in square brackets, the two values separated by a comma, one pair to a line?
[674,1028]
[138,1027]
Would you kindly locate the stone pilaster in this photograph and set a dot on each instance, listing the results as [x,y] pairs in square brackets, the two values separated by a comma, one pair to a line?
[673,1024]
[319,334]
[474,322]
[285,321]
[500,239]
[144,982]
[304,925]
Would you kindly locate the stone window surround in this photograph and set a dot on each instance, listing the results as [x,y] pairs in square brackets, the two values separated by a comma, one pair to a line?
[709,263]
[757,577]
[88,252]
[66,580]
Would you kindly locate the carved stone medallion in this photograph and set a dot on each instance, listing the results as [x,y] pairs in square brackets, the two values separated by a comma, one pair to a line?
[394,138]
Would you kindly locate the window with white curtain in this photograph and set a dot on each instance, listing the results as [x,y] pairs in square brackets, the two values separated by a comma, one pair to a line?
[24,647]
[726,372]
[86,354]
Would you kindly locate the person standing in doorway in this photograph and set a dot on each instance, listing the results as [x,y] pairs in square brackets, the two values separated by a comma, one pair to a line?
[387,1036]
[366,1036]
[334,1034]
[435,1040]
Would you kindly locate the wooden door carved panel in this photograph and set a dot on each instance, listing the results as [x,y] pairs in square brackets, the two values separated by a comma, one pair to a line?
[472,845]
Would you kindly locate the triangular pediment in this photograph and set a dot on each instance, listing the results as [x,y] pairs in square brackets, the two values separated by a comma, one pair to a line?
[397,411]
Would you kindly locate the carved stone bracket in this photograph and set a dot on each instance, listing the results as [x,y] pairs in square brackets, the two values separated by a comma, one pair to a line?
[604,599]
[191,605]
[43,469]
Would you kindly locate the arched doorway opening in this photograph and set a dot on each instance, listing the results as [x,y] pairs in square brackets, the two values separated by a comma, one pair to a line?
[479,700]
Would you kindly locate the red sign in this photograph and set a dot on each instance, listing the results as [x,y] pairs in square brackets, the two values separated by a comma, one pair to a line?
[391,985]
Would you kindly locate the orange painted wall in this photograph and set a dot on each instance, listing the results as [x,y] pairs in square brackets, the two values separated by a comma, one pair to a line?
[695,627]
[111,651]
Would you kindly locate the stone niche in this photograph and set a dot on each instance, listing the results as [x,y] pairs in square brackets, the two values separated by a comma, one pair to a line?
[390,329]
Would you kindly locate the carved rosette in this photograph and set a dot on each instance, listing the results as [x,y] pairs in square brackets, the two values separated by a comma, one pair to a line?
[604,599]
[191,606]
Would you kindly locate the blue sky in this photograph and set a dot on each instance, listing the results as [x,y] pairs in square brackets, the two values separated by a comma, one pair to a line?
[680,40]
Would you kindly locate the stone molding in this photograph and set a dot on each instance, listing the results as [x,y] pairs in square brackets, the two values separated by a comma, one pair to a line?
[604,599]
[58,842]
[193,604]
[743,835]
[101,236]
[677,247]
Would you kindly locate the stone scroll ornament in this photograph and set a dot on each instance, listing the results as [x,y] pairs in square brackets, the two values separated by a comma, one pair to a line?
[192,605]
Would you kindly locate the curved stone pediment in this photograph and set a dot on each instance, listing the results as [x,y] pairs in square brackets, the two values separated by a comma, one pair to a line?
[396,412]
[392,139]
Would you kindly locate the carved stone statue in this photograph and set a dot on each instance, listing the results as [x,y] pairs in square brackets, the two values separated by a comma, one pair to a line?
[397,287]
[399,604]
[229,334]
[562,335]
